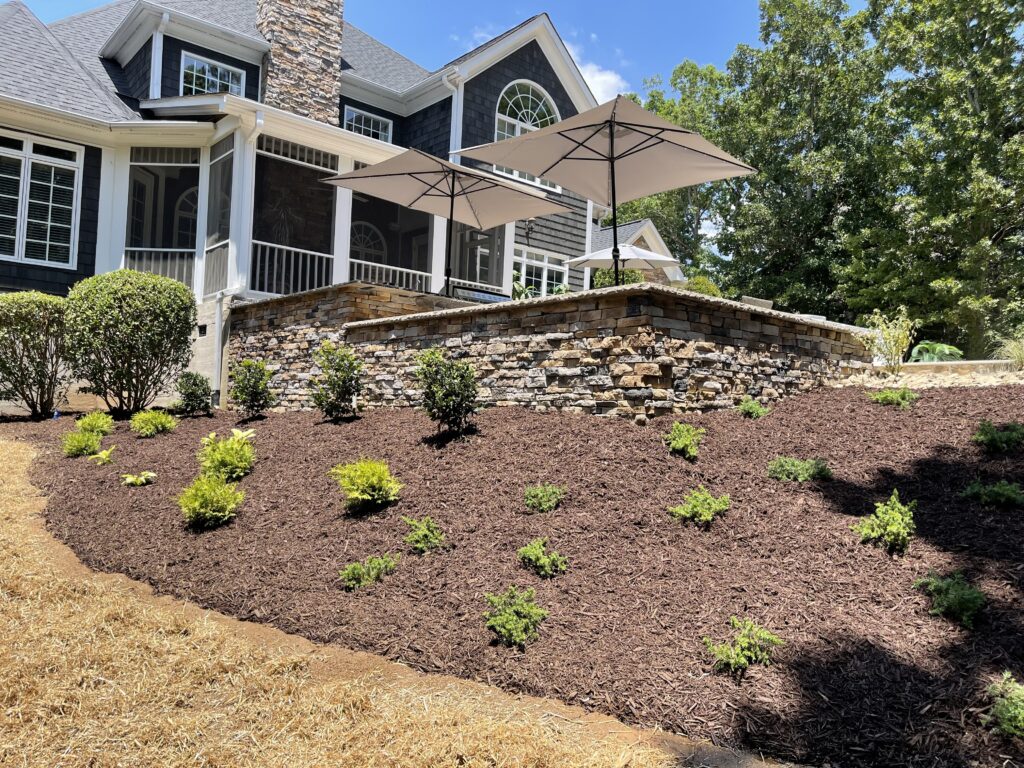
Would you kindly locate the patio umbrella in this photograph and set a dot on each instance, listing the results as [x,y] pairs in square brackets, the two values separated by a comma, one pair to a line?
[469,196]
[614,153]
[630,257]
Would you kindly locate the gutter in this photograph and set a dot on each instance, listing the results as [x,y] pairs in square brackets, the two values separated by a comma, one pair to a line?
[455,83]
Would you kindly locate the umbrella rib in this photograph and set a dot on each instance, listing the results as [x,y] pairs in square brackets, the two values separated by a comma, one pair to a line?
[469,202]
[435,187]
[579,145]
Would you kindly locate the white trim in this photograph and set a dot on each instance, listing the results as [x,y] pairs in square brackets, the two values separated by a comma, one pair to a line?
[356,111]
[119,212]
[438,234]
[342,226]
[507,258]
[156,59]
[202,216]
[210,62]
[105,249]
[455,83]
[588,242]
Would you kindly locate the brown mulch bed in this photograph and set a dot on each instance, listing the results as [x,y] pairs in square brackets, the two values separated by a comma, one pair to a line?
[866,677]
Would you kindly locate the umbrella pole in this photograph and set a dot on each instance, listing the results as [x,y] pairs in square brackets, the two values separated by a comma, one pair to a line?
[448,245]
[615,217]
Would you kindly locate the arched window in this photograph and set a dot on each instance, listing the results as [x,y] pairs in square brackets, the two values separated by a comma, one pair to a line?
[368,243]
[185,215]
[522,107]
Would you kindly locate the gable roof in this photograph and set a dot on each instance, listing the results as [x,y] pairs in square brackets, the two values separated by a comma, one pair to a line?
[601,237]
[37,67]
[372,60]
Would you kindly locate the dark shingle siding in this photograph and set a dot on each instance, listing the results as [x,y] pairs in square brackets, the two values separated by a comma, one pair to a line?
[430,129]
[137,72]
[171,83]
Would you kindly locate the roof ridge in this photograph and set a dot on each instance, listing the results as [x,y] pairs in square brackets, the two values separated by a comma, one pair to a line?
[381,43]
[627,223]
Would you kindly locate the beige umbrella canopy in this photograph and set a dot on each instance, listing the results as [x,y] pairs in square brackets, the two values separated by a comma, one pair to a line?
[614,153]
[630,257]
[469,196]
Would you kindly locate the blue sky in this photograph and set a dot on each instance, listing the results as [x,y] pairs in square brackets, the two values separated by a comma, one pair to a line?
[616,51]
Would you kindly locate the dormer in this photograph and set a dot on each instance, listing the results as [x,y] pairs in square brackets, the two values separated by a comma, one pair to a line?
[165,53]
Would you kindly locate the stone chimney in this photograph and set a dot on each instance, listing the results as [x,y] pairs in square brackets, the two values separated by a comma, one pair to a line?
[303,69]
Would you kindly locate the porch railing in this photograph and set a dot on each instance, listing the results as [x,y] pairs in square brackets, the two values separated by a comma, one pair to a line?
[169,262]
[475,285]
[277,269]
[384,274]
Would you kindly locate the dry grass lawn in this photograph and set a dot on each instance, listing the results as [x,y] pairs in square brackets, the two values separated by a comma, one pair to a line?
[92,674]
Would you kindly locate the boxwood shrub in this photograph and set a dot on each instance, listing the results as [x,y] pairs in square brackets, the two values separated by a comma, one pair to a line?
[34,365]
[335,389]
[195,395]
[250,388]
[449,390]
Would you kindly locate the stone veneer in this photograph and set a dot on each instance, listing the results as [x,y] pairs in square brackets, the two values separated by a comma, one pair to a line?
[303,68]
[637,350]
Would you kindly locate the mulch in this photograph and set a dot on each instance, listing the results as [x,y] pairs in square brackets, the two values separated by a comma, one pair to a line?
[866,675]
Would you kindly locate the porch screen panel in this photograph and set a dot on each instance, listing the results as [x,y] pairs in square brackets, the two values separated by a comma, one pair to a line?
[218,216]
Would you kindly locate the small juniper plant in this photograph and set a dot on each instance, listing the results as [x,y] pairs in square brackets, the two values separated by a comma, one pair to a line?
[368,484]
[195,395]
[229,457]
[751,409]
[1001,493]
[250,388]
[449,390]
[952,597]
[891,525]
[798,470]
[136,481]
[97,421]
[424,535]
[901,398]
[77,443]
[543,498]
[335,390]
[514,616]
[102,458]
[700,507]
[152,423]
[544,563]
[752,644]
[210,501]
[684,439]
[370,571]
[1007,713]
[1006,438]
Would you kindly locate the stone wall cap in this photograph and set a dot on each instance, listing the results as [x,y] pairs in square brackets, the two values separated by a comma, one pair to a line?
[352,287]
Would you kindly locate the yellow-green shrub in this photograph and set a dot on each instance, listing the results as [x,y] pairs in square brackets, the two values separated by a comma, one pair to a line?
[230,457]
[80,443]
[210,501]
[97,421]
[700,507]
[152,423]
[367,484]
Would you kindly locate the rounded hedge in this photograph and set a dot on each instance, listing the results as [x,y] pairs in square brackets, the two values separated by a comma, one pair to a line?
[33,351]
[130,335]
[703,284]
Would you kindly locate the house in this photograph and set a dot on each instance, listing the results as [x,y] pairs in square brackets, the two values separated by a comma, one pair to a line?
[643,234]
[189,138]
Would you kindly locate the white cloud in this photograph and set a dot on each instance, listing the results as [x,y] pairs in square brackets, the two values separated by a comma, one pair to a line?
[605,83]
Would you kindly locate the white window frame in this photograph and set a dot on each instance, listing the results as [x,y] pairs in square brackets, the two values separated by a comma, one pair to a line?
[353,111]
[213,63]
[530,257]
[522,128]
[27,156]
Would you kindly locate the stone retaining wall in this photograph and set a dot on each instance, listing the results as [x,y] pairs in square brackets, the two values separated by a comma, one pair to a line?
[637,350]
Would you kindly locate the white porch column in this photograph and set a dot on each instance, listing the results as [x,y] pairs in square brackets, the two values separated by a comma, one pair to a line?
[243,195]
[438,240]
[506,258]
[113,257]
[199,265]
[343,227]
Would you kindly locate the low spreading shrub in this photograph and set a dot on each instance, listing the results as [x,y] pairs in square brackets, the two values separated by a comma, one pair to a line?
[700,507]
[1007,713]
[103,458]
[210,501]
[998,494]
[684,439]
[135,481]
[449,390]
[752,644]
[130,335]
[34,355]
[952,597]
[367,484]
[901,398]
[543,498]
[370,571]
[230,457]
[424,535]
[1005,438]
[80,443]
[545,564]
[250,388]
[97,421]
[798,470]
[336,388]
[752,409]
[152,423]
[195,395]
[514,616]
[891,524]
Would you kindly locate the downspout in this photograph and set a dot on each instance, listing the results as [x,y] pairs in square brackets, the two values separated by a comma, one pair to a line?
[454,82]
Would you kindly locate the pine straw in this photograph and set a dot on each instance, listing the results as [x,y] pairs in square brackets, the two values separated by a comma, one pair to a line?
[91,674]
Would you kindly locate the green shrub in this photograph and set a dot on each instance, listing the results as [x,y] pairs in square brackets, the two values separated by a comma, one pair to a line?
[79,443]
[370,571]
[700,507]
[367,484]
[152,423]
[545,564]
[103,458]
[1007,713]
[135,481]
[34,359]
[952,597]
[999,494]
[891,524]
[514,616]
[449,390]
[130,334]
[338,385]
[1012,348]
[798,470]
[684,439]
[250,388]
[424,535]
[935,352]
[210,501]
[97,421]
[752,644]
[889,337]
[901,398]
[195,395]
[702,284]
[543,498]
[230,457]
[603,278]
[752,409]
[1002,439]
